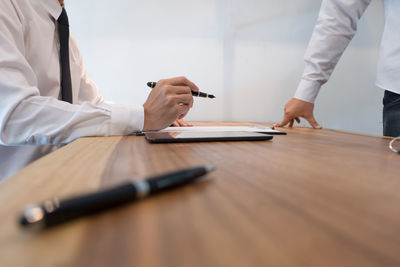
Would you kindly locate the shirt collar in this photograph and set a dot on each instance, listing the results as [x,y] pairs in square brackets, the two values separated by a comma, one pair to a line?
[53,7]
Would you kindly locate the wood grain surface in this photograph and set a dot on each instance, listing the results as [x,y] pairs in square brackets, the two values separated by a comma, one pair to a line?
[310,198]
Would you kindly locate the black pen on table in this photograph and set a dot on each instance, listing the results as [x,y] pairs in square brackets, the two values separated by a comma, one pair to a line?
[199,94]
[54,212]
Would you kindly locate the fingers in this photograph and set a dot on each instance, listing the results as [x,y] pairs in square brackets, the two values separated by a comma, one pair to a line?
[283,123]
[186,124]
[296,109]
[170,100]
[311,120]
[179,94]
[183,99]
[181,123]
[178,89]
[182,116]
[286,121]
[182,110]
[180,81]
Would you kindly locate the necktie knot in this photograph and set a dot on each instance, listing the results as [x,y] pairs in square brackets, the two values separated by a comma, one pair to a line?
[63,18]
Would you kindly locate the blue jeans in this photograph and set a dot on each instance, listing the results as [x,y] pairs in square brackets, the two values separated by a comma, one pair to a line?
[391,114]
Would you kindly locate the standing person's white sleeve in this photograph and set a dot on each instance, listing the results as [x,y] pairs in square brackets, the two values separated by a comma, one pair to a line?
[26,117]
[336,26]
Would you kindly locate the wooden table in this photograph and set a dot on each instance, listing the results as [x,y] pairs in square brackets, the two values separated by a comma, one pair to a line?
[311,198]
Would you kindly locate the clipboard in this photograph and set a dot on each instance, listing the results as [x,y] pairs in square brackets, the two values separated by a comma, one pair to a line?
[253,128]
[179,137]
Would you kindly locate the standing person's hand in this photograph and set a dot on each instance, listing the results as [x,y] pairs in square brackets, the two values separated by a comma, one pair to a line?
[168,101]
[296,109]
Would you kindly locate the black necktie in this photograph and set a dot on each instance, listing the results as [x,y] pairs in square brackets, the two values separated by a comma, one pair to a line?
[63,34]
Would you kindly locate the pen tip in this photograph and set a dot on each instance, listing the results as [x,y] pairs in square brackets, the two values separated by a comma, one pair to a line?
[211,96]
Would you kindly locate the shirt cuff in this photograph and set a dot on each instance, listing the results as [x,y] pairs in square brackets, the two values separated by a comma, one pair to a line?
[126,119]
[307,90]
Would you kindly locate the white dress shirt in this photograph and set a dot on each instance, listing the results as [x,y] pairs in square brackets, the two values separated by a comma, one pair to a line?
[33,121]
[336,26]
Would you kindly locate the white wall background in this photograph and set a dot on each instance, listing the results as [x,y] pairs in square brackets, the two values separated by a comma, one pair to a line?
[249,53]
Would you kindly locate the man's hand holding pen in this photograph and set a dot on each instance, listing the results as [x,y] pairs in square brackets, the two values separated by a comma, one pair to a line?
[169,100]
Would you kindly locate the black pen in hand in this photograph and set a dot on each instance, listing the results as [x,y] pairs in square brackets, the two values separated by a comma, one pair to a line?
[199,94]
[54,212]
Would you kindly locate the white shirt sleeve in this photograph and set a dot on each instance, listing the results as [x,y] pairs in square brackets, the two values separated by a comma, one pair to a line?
[336,26]
[29,118]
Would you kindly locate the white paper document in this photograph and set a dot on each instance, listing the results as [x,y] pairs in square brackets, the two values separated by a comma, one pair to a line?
[252,128]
